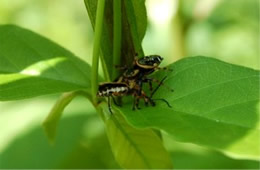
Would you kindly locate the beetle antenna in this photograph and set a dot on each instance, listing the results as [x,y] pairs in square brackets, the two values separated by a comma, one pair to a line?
[161,82]
[165,101]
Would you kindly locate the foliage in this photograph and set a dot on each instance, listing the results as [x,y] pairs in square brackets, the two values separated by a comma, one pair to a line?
[32,65]
[214,103]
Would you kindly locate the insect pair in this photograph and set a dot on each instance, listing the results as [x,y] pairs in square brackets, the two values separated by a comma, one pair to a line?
[131,82]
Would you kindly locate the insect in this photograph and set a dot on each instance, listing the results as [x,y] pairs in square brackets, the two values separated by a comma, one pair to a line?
[147,65]
[114,89]
[131,82]
[142,67]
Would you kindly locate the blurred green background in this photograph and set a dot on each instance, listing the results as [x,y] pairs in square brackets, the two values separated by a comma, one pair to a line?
[223,29]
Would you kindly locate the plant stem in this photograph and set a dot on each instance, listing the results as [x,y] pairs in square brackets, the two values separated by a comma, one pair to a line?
[117,30]
[96,49]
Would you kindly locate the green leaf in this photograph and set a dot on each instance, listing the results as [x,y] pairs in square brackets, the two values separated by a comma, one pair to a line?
[31,65]
[134,22]
[214,104]
[135,148]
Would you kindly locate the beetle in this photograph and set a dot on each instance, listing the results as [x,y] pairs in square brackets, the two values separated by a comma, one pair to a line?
[111,89]
[139,72]
[142,67]
[146,66]
[114,89]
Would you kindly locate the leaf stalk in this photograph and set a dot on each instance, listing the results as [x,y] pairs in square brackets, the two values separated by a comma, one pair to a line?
[96,49]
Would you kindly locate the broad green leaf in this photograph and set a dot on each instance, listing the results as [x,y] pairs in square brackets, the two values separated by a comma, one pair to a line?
[214,104]
[134,22]
[31,65]
[135,148]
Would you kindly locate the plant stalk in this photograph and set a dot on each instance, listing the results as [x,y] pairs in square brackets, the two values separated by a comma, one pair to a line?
[96,49]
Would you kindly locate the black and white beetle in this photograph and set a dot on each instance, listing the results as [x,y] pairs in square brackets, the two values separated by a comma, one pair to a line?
[116,89]
[112,89]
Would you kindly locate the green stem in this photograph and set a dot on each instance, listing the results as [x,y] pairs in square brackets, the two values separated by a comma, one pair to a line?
[117,30]
[96,48]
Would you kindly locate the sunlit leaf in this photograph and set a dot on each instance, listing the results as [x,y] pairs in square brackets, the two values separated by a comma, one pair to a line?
[214,104]
[31,65]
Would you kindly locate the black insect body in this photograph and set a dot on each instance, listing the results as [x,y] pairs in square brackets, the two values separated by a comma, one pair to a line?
[148,63]
[112,89]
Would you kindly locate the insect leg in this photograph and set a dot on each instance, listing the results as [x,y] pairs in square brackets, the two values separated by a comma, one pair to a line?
[151,101]
[149,81]
[137,102]
[159,84]
[134,95]
[141,94]
[150,86]
[133,107]
[157,89]
[114,100]
[109,104]
[147,99]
